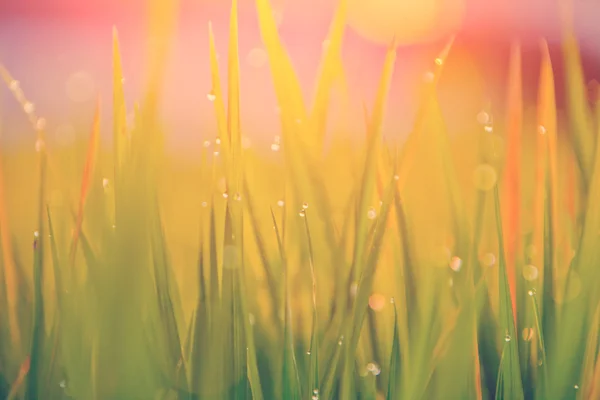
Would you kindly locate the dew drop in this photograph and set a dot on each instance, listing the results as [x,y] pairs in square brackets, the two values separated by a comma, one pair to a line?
[305,206]
[206,143]
[105,183]
[40,124]
[275,147]
[392,300]
[341,340]
[216,153]
[308,353]
[28,107]
[373,368]
[439,61]
[211,96]
[204,204]
[280,203]
[531,292]
[353,289]
[576,387]
[455,263]
[14,85]
[225,195]
[62,384]
[36,234]
[488,128]
[237,197]
[371,213]
[217,141]
[542,130]
[396,177]
[507,338]
[540,362]
[302,213]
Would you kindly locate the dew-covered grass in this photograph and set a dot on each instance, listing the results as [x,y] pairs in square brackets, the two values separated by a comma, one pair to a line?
[371,270]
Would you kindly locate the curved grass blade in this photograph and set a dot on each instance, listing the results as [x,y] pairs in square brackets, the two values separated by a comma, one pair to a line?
[580,118]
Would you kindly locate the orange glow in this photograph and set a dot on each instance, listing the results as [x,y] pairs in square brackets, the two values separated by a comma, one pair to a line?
[406,21]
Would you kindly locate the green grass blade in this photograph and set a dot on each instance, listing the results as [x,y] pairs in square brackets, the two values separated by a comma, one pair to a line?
[290,385]
[512,387]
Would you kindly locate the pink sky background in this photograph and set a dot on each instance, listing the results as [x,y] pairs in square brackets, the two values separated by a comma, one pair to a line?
[44,42]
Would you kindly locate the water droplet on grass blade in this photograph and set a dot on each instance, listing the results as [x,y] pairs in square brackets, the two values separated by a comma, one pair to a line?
[36,234]
[542,130]
[28,107]
[225,195]
[305,205]
[62,384]
[204,204]
[280,203]
[275,147]
[576,387]
[217,141]
[373,368]
[531,292]
[488,128]
[371,213]
[211,96]
[507,338]
[439,61]
[206,143]
[40,124]
[455,263]
[302,213]
[14,85]
[105,183]
[237,197]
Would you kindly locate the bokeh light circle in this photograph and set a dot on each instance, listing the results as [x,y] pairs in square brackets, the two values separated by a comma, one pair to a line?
[406,21]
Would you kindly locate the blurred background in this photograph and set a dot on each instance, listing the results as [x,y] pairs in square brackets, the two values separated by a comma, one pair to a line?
[60,51]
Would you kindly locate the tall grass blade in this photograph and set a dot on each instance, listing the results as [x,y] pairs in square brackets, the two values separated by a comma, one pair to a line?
[511,385]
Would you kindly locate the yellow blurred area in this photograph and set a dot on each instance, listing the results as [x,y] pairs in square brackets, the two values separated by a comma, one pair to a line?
[406,21]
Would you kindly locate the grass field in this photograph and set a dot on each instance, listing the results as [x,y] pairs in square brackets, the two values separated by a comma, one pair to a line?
[442,268]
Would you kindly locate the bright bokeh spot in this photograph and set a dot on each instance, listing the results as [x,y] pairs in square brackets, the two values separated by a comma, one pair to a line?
[80,87]
[407,21]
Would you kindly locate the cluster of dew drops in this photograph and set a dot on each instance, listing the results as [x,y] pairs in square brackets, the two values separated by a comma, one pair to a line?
[38,123]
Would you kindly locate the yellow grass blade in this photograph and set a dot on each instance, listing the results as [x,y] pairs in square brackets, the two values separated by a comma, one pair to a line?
[88,171]
[119,108]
